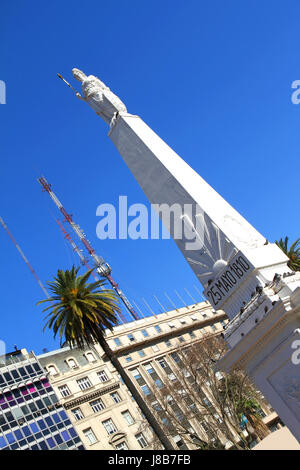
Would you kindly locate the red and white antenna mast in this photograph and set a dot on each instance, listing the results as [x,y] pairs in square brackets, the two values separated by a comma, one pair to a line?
[103,268]
[81,256]
[24,257]
[76,249]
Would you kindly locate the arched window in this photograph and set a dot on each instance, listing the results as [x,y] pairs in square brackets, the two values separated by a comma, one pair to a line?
[90,357]
[52,370]
[71,363]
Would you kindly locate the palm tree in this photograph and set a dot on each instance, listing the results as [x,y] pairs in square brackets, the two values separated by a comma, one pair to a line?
[293,252]
[80,313]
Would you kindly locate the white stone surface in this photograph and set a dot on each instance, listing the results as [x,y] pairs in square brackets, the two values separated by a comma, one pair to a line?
[264,303]
[281,439]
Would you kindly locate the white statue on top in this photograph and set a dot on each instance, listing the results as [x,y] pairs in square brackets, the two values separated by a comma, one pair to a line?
[106,104]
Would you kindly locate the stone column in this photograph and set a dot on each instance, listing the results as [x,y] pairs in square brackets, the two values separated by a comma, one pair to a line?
[241,272]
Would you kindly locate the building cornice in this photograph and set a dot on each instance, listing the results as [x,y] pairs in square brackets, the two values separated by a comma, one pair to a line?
[78,401]
[170,334]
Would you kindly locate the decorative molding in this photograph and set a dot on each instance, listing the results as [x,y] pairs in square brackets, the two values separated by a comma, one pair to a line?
[90,396]
[261,342]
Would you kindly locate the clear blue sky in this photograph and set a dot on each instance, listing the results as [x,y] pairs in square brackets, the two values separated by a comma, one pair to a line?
[213,79]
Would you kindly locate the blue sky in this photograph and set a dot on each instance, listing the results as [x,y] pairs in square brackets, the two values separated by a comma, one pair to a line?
[213,79]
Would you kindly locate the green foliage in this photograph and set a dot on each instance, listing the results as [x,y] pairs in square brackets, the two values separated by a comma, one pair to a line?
[293,252]
[79,311]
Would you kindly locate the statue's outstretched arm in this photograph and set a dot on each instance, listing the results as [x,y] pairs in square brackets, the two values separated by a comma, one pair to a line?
[79,96]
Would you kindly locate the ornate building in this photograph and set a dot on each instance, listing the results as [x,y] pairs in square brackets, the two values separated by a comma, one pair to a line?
[98,404]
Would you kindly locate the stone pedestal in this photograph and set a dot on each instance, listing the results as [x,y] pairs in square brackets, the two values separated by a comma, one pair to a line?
[269,351]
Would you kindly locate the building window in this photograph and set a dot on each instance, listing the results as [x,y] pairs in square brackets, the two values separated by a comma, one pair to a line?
[194,318]
[213,327]
[204,426]
[84,383]
[155,348]
[171,325]
[52,370]
[168,343]
[90,357]
[128,418]
[71,363]
[128,359]
[102,376]
[122,446]
[117,342]
[218,417]
[64,391]
[109,426]
[149,368]
[192,334]
[182,321]
[141,440]
[175,357]
[145,333]
[156,406]
[97,405]
[77,413]
[146,389]
[179,442]
[116,397]
[207,402]
[136,374]
[162,363]
[130,337]
[172,377]
[141,353]
[158,328]
[181,339]
[88,433]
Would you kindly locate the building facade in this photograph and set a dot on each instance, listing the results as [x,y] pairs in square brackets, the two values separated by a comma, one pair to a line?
[31,417]
[99,405]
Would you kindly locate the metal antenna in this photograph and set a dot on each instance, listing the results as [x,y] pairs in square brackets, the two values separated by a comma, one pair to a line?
[196,288]
[75,248]
[190,296]
[24,258]
[102,267]
[184,303]
[164,310]
[171,301]
[138,308]
[84,261]
[146,303]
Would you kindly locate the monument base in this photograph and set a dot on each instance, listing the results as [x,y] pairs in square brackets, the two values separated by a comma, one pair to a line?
[270,353]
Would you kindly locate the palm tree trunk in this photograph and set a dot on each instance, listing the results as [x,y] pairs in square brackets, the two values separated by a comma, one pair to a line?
[139,400]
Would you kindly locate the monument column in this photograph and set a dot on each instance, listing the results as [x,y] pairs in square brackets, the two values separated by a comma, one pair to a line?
[240,271]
